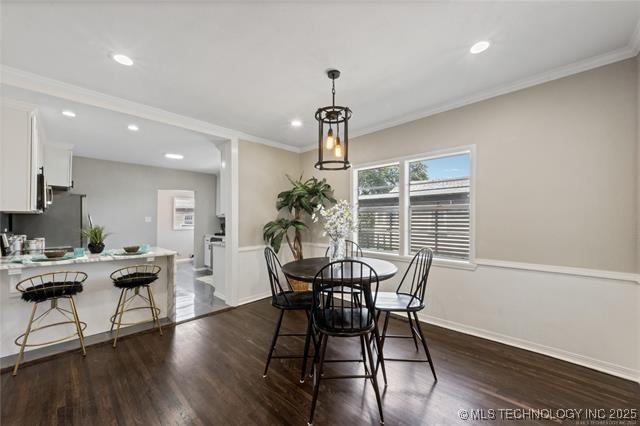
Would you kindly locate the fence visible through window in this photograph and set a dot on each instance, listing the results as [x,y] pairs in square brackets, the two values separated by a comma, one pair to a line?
[378,228]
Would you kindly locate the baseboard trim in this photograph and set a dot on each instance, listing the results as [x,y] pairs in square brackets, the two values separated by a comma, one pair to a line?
[592,363]
[202,268]
[184,260]
[250,299]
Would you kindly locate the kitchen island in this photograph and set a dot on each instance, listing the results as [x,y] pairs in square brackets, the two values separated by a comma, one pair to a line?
[96,303]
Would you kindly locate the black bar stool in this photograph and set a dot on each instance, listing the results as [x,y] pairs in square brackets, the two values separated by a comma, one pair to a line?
[286,300]
[51,287]
[409,301]
[133,278]
[337,311]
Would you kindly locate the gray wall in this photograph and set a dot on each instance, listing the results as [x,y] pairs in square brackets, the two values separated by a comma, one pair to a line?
[121,195]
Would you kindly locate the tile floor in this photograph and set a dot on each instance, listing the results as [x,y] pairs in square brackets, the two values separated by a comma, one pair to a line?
[193,297]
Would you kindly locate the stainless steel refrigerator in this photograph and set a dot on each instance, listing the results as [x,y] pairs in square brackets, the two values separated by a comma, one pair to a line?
[60,224]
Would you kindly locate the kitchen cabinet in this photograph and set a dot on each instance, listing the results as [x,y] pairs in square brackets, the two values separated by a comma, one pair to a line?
[58,160]
[20,158]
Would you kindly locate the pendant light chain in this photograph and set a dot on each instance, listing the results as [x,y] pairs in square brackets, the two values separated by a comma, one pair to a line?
[333,143]
[333,92]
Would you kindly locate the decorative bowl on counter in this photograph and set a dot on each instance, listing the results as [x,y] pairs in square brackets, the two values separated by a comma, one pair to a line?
[131,249]
[54,254]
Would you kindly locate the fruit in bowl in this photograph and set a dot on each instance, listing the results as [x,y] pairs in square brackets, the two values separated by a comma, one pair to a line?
[54,254]
[131,249]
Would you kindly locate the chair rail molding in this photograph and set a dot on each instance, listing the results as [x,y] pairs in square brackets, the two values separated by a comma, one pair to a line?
[630,277]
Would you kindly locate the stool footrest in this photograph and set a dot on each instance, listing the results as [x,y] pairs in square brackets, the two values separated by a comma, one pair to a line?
[20,338]
[112,319]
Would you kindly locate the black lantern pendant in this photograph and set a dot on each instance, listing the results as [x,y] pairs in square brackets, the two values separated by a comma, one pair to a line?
[333,149]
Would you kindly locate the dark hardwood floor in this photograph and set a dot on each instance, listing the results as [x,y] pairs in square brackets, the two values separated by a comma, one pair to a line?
[209,371]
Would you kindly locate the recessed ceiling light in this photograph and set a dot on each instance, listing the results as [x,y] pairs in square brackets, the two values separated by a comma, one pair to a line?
[122,59]
[296,123]
[68,113]
[174,156]
[133,127]
[479,47]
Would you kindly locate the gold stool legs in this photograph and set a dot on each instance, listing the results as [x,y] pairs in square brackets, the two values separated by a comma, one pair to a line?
[154,310]
[24,341]
[113,323]
[120,314]
[78,327]
[116,319]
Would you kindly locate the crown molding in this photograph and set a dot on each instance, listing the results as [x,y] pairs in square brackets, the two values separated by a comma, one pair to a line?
[26,80]
[617,55]
[34,82]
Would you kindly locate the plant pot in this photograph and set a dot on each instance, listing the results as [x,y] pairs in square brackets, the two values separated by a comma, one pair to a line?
[299,285]
[96,248]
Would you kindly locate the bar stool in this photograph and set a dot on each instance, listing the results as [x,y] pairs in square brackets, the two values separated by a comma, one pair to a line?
[285,299]
[133,278]
[51,287]
[409,298]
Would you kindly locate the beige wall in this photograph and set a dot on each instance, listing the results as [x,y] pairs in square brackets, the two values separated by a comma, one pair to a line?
[638,172]
[261,176]
[556,178]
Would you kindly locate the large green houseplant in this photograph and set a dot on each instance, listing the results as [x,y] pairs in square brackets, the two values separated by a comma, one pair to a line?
[303,198]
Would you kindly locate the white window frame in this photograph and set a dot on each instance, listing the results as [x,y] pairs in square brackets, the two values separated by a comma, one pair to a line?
[404,254]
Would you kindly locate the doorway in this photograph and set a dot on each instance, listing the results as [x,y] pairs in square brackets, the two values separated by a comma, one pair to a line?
[178,230]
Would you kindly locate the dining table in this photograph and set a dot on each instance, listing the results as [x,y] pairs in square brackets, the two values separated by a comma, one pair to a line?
[305,270]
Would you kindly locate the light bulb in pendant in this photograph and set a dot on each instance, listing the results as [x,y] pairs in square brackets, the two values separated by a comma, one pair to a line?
[338,149]
[330,140]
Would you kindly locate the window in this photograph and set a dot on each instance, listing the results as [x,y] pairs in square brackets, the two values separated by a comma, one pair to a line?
[378,208]
[439,206]
[434,193]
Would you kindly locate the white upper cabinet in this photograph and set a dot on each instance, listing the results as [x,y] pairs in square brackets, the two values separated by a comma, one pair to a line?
[58,165]
[20,158]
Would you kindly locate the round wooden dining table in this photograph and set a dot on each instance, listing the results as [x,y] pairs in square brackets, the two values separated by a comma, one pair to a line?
[306,269]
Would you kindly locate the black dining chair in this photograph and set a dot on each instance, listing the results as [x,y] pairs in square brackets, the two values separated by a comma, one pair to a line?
[285,299]
[335,313]
[352,249]
[410,301]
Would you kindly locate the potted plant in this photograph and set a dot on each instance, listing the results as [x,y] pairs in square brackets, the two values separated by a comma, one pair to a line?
[96,236]
[302,199]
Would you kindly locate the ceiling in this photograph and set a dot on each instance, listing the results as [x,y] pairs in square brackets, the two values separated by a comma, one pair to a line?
[254,66]
[103,134]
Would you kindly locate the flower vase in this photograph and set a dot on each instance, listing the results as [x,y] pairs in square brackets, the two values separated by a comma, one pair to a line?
[337,249]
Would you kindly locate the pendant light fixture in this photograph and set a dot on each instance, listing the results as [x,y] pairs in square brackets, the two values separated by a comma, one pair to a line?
[333,148]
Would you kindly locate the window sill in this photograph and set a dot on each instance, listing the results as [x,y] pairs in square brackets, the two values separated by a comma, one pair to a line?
[442,263]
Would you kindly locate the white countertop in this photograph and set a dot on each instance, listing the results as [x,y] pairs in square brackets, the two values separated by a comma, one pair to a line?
[6,264]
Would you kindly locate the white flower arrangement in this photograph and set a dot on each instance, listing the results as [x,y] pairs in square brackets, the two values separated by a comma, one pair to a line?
[339,221]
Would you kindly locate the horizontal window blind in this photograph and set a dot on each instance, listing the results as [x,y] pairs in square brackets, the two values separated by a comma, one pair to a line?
[378,228]
[443,228]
